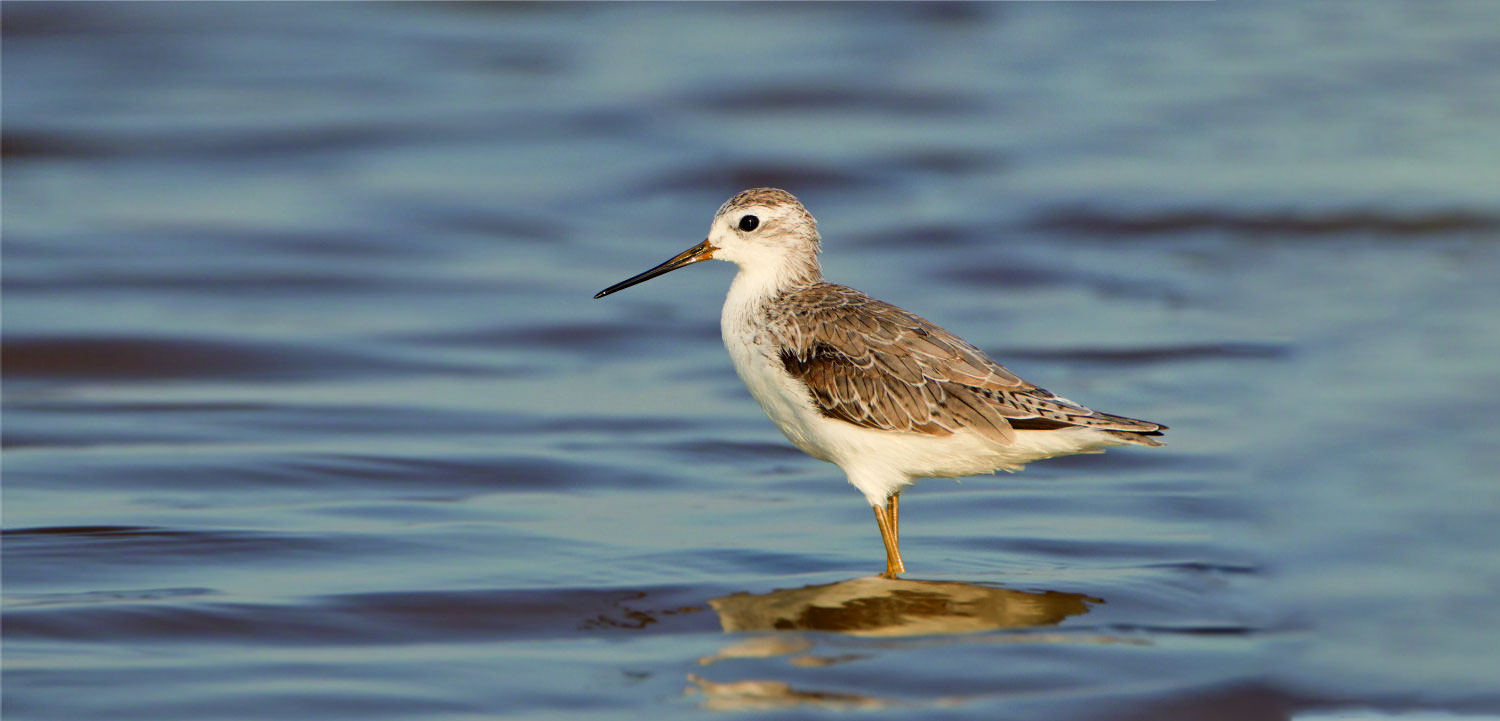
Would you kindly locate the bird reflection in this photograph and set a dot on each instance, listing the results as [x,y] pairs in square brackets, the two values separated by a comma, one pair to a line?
[877,606]
[874,607]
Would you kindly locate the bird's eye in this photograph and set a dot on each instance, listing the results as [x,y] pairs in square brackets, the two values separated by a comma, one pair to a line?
[749,223]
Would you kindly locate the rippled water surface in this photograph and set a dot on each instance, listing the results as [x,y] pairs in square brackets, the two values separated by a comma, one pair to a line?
[308,412]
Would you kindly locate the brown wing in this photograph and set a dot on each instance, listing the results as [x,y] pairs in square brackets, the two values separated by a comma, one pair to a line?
[872,364]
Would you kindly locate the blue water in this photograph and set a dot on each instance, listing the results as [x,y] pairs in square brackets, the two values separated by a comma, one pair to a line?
[309,413]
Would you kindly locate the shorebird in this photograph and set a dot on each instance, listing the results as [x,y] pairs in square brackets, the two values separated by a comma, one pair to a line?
[886,395]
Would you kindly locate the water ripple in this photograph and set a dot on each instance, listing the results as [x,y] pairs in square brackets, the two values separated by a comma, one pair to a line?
[142,358]
[1099,222]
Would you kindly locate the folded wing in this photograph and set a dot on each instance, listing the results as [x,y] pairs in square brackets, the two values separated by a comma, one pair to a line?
[874,365]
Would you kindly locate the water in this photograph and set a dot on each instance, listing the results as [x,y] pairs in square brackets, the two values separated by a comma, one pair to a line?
[309,413]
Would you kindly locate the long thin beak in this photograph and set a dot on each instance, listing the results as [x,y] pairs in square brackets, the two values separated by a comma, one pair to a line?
[700,252]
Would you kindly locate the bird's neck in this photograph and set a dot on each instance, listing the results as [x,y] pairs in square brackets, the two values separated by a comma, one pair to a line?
[757,284]
[765,281]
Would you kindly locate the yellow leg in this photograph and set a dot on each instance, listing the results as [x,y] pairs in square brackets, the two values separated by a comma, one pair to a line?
[893,564]
[892,508]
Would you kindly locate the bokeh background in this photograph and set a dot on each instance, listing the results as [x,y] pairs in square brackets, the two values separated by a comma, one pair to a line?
[309,413]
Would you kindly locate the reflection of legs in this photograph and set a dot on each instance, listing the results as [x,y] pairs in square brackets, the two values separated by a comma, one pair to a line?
[893,564]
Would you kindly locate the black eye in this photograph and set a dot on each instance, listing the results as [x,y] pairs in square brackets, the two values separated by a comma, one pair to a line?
[749,223]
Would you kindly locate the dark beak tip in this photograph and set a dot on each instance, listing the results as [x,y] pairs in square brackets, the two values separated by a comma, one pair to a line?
[681,260]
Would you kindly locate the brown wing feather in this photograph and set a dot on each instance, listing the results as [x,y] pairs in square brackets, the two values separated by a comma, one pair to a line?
[874,365]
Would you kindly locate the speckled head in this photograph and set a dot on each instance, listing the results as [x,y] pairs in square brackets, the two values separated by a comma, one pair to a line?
[767,231]
[768,213]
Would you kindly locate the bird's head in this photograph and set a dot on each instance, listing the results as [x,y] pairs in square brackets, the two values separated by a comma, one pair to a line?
[761,230]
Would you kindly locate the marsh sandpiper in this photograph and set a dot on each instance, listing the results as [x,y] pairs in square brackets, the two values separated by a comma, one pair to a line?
[887,396]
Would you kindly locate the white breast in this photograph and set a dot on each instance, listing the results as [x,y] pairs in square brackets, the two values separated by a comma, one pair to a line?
[757,361]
